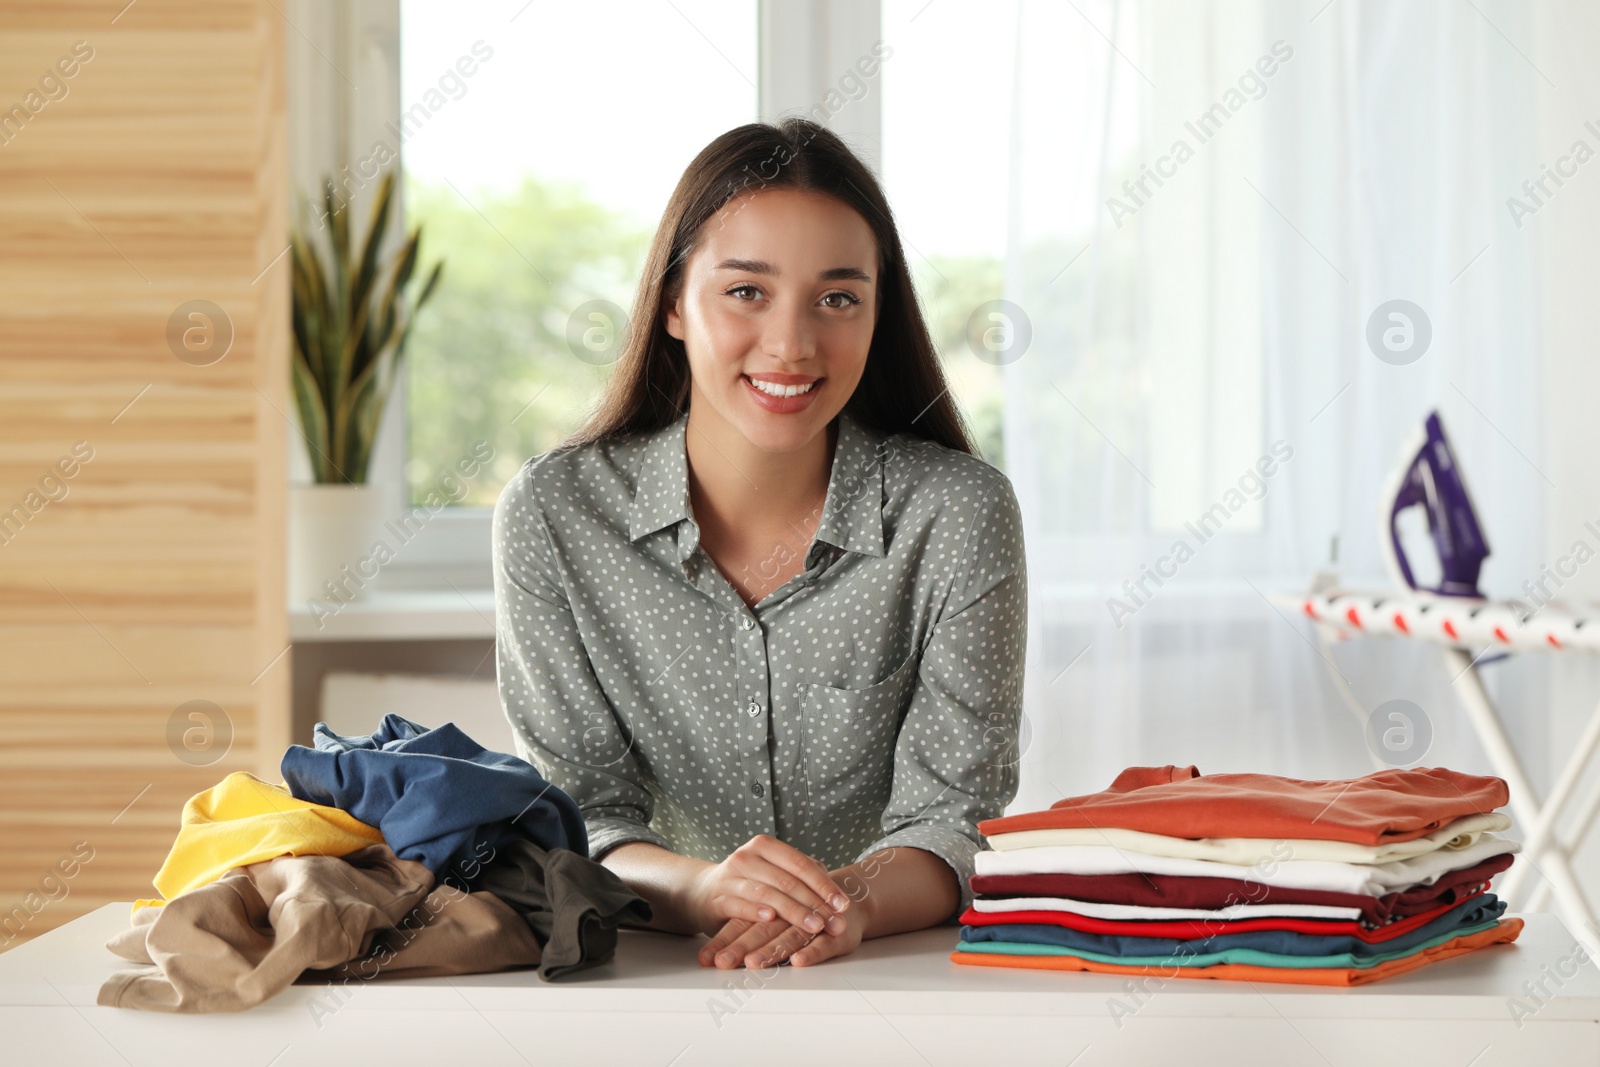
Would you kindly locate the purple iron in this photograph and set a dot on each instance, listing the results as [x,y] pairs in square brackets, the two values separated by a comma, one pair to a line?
[1430,478]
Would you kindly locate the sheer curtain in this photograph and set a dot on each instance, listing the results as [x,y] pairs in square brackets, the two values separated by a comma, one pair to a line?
[1208,203]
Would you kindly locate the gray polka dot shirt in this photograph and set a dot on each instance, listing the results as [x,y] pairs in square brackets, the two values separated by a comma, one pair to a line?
[872,700]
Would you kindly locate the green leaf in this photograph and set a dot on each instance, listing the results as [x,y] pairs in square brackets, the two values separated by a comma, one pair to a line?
[313,416]
[346,347]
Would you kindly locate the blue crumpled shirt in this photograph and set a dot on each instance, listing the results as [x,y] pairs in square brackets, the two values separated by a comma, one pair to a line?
[438,796]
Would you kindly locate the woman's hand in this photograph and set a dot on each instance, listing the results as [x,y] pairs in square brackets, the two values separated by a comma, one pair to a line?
[766,944]
[765,881]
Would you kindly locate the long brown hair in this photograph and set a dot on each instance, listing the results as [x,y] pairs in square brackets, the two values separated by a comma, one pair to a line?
[902,388]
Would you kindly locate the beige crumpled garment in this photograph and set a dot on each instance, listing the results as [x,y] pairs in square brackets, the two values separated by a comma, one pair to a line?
[249,935]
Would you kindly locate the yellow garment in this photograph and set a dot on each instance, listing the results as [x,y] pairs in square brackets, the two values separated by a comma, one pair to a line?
[243,820]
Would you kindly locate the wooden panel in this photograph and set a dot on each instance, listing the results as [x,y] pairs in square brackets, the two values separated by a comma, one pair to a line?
[142,495]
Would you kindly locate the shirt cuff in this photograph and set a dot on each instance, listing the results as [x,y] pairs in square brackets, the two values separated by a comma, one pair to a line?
[952,846]
[606,832]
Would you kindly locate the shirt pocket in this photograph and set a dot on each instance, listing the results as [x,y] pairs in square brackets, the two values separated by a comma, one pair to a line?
[848,736]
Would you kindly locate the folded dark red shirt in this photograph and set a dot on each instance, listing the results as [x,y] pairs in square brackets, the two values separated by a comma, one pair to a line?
[1190,929]
[1211,894]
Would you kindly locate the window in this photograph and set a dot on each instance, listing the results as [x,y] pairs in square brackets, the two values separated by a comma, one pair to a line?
[945,137]
[1040,130]
[540,147]
[539,178]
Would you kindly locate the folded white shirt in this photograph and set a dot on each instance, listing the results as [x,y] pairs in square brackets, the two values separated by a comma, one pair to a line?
[1137,911]
[1248,851]
[1371,879]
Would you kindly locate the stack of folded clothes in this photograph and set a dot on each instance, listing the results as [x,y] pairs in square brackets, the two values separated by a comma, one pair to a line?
[1245,876]
[411,852]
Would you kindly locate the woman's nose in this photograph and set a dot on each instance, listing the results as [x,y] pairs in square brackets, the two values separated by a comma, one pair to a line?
[787,334]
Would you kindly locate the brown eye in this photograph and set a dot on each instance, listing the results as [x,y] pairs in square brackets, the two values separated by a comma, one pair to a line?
[848,297]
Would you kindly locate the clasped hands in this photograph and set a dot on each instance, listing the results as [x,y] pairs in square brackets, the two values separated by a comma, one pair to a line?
[769,901]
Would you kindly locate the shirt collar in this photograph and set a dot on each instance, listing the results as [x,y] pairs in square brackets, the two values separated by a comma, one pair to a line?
[852,516]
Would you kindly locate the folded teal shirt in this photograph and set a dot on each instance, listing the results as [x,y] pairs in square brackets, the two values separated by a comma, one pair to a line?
[1473,912]
[1340,960]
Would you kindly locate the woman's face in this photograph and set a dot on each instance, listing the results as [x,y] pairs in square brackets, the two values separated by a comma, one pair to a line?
[782,289]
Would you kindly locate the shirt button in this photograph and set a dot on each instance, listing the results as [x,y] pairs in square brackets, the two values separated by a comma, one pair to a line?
[753,710]
[748,622]
[755,787]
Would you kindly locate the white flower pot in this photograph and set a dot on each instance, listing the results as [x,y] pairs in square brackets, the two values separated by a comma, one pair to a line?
[332,530]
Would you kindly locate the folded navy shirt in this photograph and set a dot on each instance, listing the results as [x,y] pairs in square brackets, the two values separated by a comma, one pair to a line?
[1480,909]
[438,796]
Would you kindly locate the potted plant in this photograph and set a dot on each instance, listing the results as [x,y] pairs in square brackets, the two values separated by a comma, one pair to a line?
[352,315]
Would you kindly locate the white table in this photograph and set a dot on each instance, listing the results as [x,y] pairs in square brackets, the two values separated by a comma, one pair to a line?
[896,1000]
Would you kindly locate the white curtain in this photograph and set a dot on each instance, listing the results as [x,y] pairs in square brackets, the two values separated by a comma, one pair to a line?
[1187,333]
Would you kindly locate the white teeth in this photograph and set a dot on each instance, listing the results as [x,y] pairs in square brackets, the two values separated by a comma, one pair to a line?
[772,389]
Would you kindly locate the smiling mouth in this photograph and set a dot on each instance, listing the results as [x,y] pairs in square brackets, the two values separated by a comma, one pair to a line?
[773,389]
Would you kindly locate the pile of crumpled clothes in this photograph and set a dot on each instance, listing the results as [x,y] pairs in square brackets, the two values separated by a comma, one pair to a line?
[412,852]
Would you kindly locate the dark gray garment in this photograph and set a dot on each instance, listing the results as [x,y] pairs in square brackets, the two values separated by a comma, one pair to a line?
[572,904]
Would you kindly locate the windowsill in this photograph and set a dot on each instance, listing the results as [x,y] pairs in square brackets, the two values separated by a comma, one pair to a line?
[399,615]
[454,614]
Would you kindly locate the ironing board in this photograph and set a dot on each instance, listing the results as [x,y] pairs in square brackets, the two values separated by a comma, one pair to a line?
[1459,624]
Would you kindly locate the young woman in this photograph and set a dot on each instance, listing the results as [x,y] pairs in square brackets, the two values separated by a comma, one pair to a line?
[764,616]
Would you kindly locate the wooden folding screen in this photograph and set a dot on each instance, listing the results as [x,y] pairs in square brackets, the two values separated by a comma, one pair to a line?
[144,299]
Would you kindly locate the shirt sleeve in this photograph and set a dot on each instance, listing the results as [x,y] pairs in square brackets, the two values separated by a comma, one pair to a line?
[562,721]
[955,761]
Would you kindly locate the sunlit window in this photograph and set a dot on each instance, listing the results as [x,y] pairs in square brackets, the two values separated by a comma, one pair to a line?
[539,178]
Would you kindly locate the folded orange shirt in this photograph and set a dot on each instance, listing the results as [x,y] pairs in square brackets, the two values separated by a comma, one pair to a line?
[1505,931]
[1389,805]
[1189,929]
